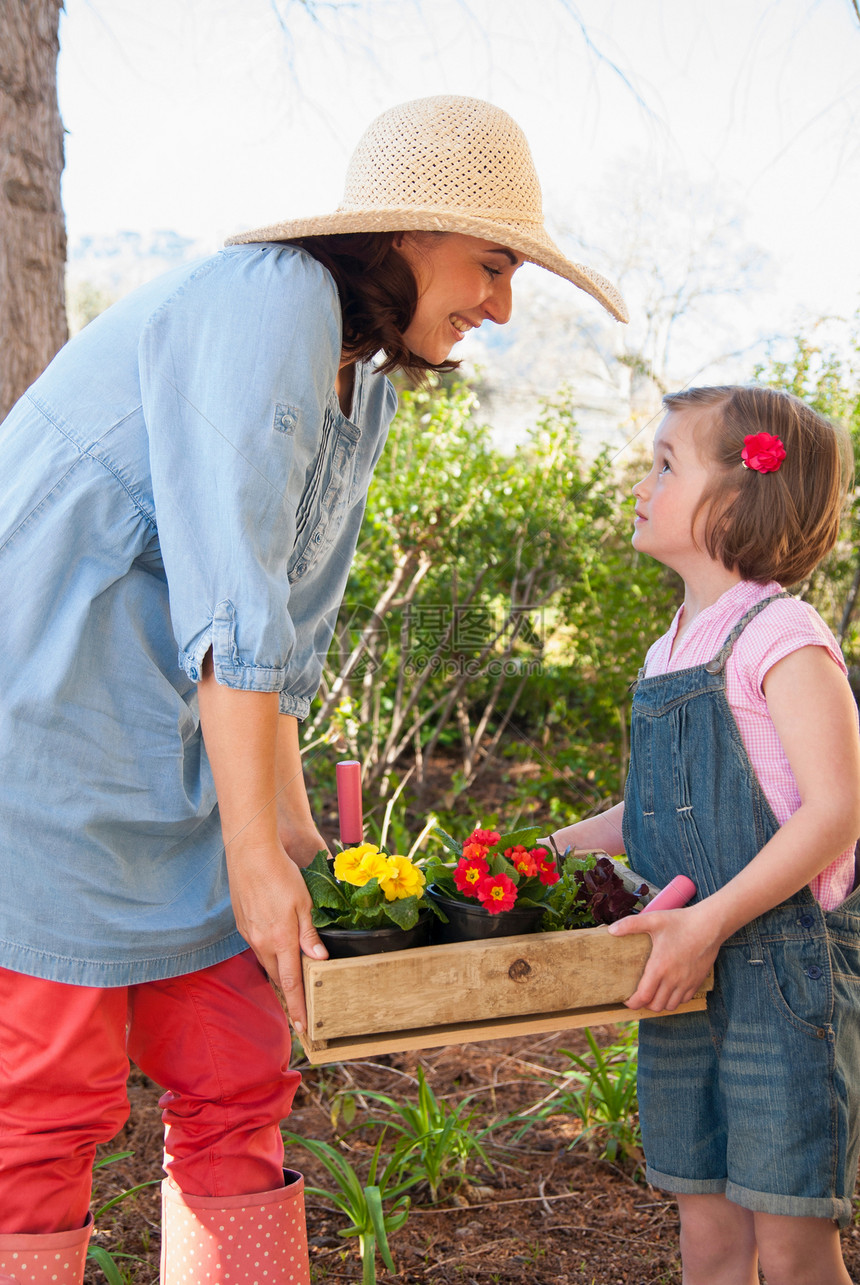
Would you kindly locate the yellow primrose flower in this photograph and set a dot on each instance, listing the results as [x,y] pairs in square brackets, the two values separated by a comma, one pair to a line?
[348,864]
[404,879]
[374,865]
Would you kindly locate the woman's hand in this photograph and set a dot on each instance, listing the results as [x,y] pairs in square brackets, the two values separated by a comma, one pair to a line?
[273,913]
[684,947]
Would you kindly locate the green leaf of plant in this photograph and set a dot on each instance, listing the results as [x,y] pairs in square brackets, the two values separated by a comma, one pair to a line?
[525,838]
[322,885]
[343,1108]
[529,902]
[367,1248]
[369,896]
[323,918]
[500,865]
[373,918]
[106,1262]
[435,868]
[109,1160]
[403,912]
[453,845]
[397,1218]
[440,878]
[123,1195]
[377,1218]
[343,1173]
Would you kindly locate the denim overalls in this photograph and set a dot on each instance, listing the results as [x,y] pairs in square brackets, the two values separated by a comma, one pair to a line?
[759,1096]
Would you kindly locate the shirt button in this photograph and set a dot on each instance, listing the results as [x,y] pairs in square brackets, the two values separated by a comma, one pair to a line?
[806,921]
[814,972]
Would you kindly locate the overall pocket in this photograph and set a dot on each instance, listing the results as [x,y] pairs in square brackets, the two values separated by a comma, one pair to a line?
[800,979]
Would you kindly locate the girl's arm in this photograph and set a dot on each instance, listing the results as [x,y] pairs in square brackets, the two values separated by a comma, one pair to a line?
[271,903]
[815,716]
[601,833]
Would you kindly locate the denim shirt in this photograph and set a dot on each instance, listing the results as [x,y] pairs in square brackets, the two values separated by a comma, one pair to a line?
[180,478]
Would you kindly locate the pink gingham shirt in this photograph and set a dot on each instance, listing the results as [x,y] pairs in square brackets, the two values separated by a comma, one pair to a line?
[783,627]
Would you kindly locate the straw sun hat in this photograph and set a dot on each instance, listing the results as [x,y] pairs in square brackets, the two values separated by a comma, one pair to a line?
[447,164]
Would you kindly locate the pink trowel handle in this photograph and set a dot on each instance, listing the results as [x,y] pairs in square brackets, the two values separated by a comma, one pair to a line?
[676,893]
[349,802]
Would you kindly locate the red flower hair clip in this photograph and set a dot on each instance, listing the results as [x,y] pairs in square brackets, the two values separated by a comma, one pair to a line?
[762,452]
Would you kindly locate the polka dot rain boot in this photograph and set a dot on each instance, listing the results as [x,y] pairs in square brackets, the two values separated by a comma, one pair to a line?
[57,1258]
[258,1239]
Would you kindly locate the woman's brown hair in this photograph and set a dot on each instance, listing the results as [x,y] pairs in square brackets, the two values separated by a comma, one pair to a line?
[378,296]
[769,526]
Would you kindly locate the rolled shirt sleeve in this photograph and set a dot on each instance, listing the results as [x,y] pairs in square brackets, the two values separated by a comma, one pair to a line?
[237,371]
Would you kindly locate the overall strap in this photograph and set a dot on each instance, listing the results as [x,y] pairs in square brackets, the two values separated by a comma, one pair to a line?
[718,663]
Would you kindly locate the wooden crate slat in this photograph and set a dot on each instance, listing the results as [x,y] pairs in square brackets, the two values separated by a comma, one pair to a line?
[471,981]
[459,993]
[342,1049]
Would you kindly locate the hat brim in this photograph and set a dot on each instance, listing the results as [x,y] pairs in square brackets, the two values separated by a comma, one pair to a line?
[531,242]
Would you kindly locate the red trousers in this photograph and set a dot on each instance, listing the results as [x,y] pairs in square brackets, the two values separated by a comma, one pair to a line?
[216,1040]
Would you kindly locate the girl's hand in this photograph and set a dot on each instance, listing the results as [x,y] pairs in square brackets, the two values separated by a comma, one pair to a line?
[684,947]
[273,913]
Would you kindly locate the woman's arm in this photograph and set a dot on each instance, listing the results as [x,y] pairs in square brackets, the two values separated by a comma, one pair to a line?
[815,716]
[241,730]
[297,829]
[595,834]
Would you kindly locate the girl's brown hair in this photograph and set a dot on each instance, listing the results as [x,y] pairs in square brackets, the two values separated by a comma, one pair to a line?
[769,526]
[378,296]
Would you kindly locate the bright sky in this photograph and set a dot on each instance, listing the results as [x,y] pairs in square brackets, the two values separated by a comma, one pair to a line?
[207,116]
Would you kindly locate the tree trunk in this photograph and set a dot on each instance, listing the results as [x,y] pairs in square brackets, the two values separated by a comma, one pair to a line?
[32,231]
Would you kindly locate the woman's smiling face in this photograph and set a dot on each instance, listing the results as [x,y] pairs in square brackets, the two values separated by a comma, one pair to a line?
[462,281]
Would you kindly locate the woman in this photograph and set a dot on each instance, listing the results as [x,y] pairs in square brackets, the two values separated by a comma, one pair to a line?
[182,492]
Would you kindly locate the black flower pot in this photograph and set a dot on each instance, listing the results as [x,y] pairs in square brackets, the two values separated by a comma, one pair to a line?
[343,942]
[469,921]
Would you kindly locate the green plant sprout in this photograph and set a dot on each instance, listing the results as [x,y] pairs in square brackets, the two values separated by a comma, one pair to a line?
[438,1138]
[106,1260]
[364,1203]
[601,1090]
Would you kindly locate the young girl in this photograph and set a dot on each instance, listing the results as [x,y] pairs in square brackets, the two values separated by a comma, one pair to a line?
[745,776]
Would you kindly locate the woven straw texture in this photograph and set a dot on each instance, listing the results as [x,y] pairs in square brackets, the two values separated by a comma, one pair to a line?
[447,164]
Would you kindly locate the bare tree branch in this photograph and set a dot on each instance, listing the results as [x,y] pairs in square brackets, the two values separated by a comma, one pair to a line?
[572,12]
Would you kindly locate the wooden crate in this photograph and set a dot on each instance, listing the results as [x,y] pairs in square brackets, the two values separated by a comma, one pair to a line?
[469,991]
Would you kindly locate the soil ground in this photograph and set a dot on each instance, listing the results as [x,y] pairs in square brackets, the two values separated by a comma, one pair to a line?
[545,1214]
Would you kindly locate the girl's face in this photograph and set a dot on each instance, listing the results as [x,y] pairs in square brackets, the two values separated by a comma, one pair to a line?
[462,281]
[667,497]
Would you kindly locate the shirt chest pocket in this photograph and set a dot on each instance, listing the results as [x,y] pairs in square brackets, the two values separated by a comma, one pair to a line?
[326,496]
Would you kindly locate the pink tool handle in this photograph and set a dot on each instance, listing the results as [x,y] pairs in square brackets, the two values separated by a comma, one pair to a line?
[349,802]
[676,893]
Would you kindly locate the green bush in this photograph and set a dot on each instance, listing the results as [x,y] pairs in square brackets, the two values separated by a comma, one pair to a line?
[496,612]
[490,599]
